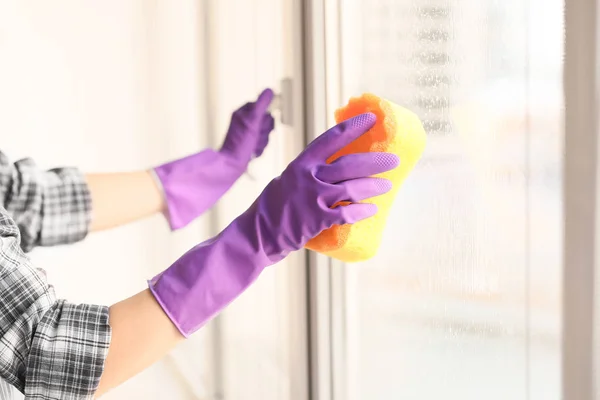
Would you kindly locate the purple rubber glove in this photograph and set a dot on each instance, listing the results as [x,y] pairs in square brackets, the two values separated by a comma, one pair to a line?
[193,184]
[292,209]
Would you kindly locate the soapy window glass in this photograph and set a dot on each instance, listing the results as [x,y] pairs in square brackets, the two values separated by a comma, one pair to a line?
[463,300]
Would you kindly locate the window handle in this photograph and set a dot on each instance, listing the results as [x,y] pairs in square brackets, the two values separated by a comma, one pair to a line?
[283,102]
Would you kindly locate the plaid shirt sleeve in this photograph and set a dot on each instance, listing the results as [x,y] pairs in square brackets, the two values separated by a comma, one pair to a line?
[49,207]
[49,348]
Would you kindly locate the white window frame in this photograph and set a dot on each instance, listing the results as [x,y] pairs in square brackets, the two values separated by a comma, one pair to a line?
[319,267]
[331,356]
[261,67]
[332,345]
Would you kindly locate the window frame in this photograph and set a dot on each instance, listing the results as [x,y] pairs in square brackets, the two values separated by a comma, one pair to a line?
[274,66]
[318,266]
[581,201]
[331,343]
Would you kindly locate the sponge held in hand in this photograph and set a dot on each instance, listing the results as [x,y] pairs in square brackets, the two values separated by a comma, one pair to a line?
[396,131]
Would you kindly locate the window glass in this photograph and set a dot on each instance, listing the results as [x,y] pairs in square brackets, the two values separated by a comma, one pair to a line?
[463,299]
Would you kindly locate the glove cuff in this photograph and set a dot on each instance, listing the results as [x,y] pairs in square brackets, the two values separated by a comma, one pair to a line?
[207,278]
[193,184]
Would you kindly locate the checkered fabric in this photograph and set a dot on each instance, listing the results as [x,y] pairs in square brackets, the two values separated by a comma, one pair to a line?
[49,348]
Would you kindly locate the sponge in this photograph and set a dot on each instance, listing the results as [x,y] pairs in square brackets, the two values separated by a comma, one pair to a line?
[396,131]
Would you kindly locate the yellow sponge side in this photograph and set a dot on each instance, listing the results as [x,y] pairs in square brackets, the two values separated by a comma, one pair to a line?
[397,131]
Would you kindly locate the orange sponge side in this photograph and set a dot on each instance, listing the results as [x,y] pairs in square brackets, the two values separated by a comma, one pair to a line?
[397,131]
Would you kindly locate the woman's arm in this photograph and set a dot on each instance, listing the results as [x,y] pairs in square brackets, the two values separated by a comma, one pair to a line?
[121,198]
[61,205]
[184,188]
[212,274]
[53,349]
[49,207]
[141,335]
[50,348]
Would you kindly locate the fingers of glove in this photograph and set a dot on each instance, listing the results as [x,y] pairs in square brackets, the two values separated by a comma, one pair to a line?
[242,119]
[261,146]
[244,111]
[268,124]
[339,136]
[263,101]
[354,166]
[262,143]
[254,111]
[356,190]
[351,213]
